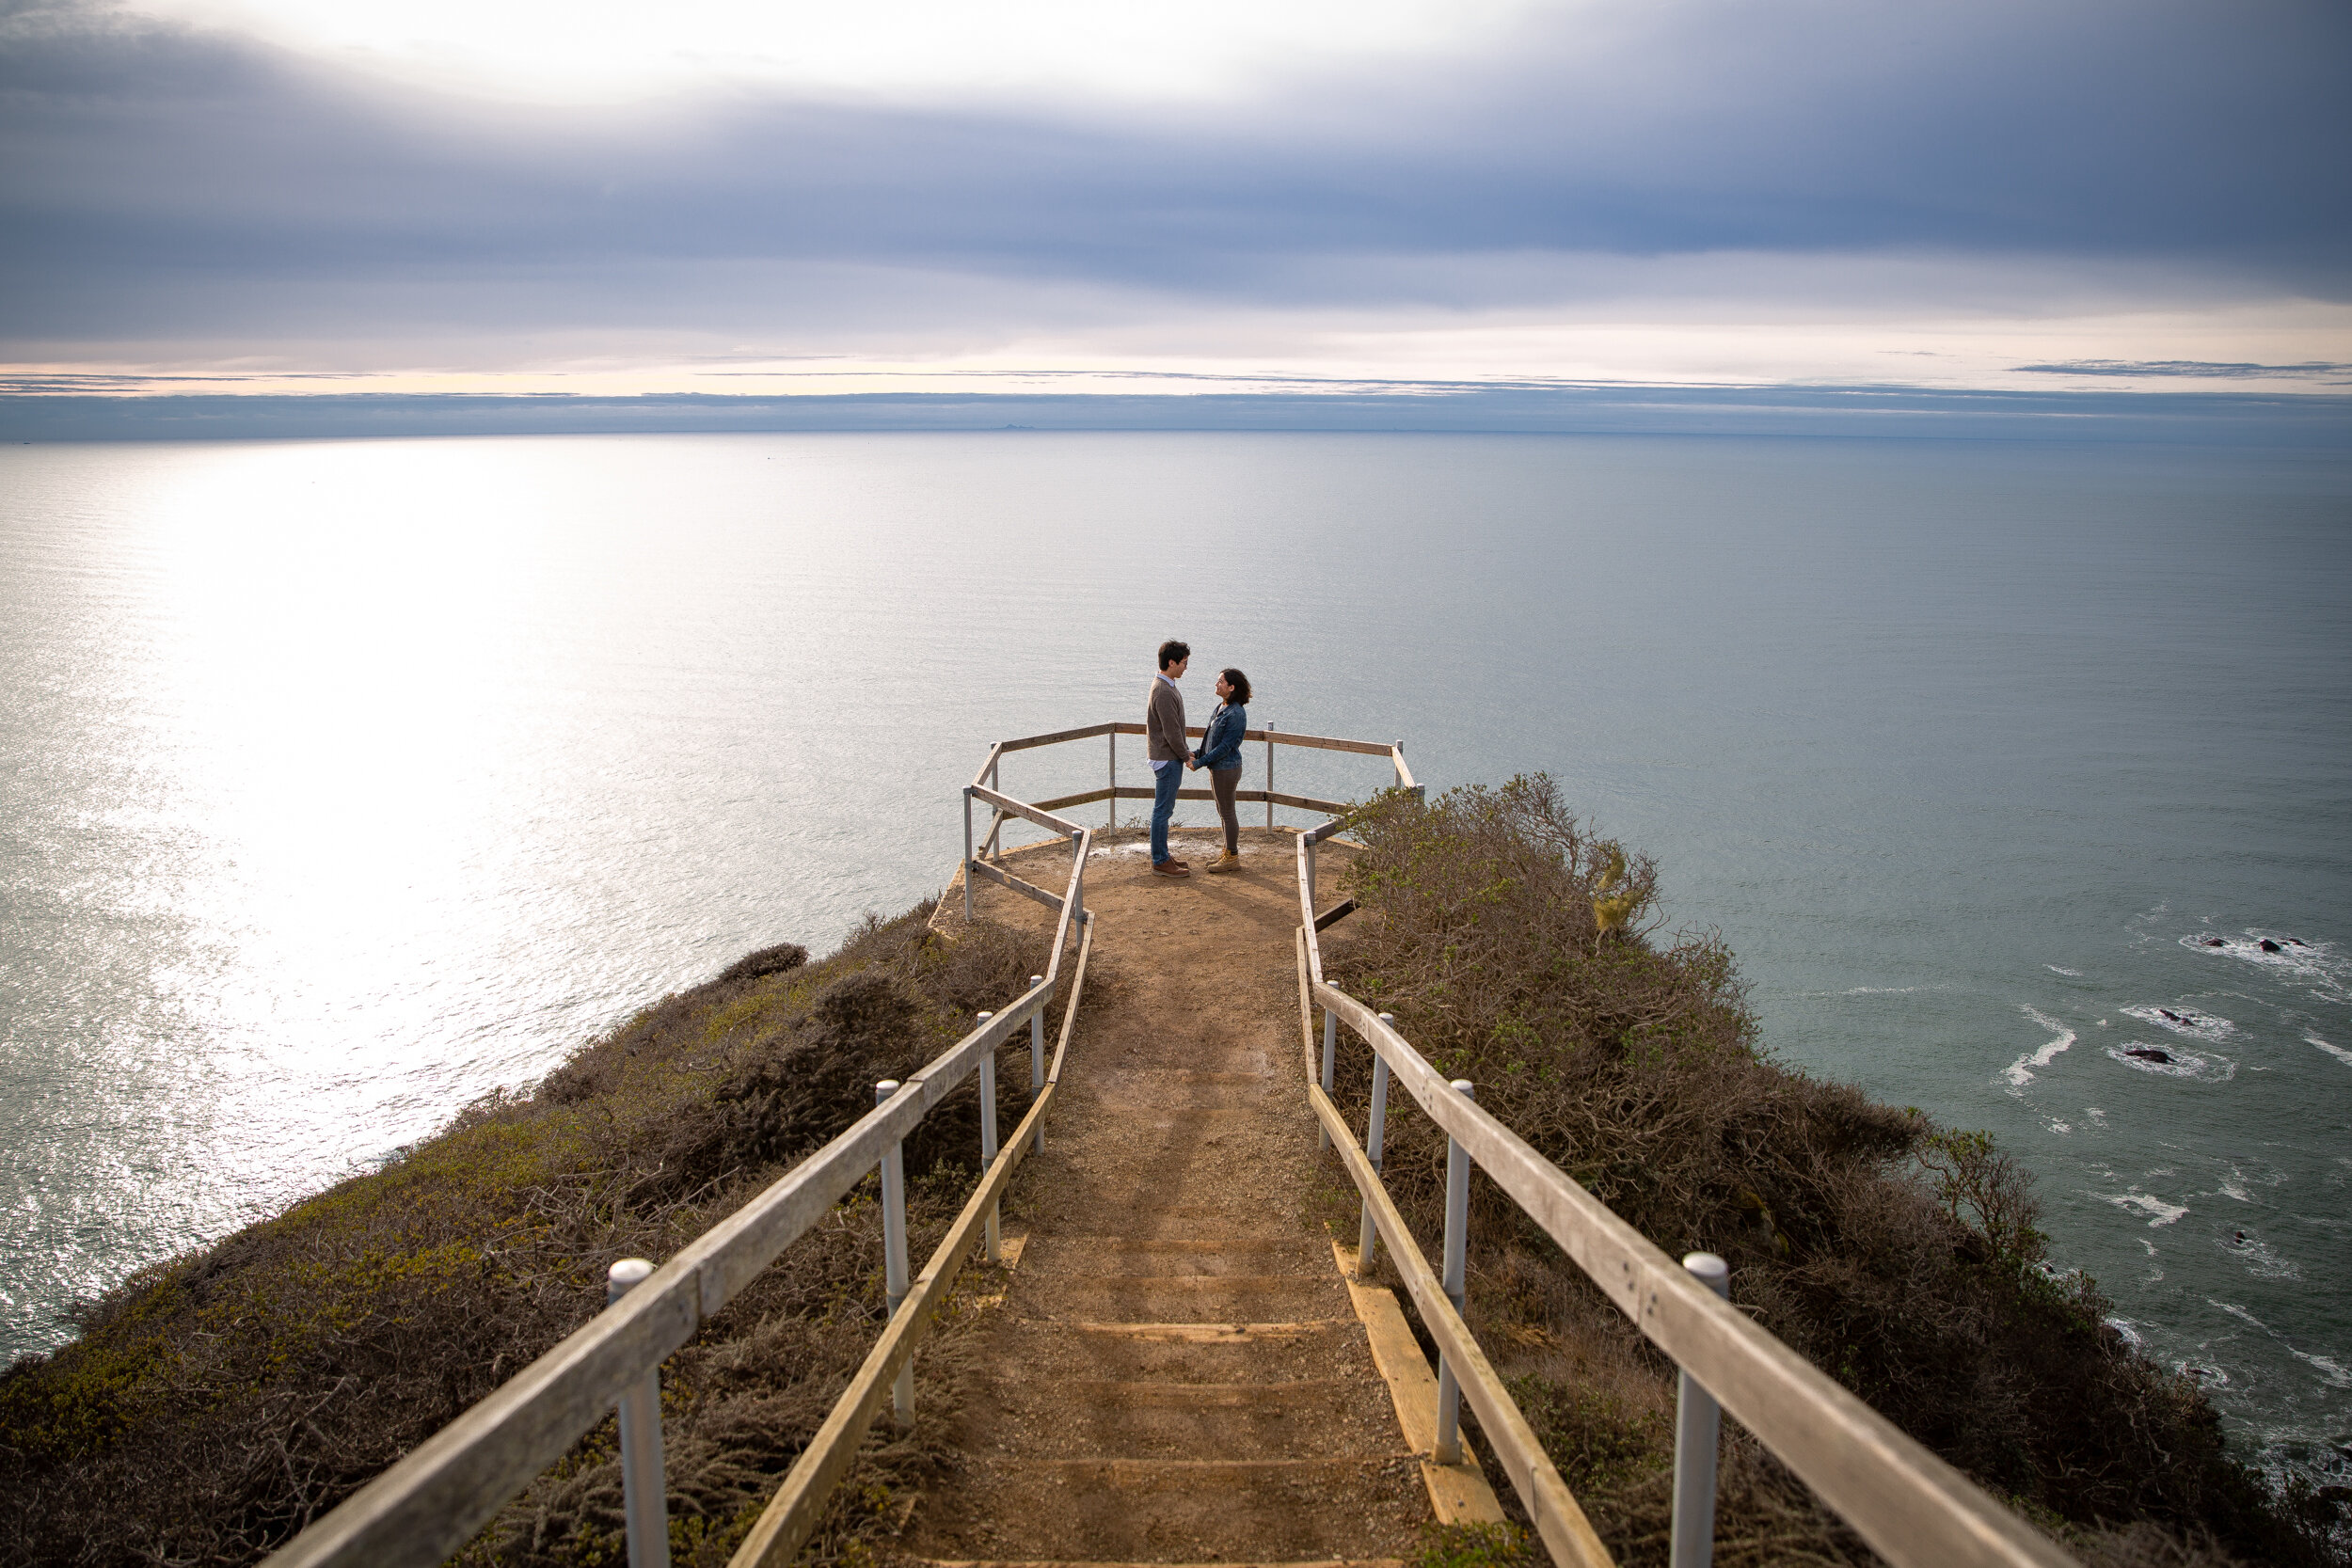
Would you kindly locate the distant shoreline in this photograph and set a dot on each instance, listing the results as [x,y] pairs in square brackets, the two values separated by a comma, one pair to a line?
[2227,418]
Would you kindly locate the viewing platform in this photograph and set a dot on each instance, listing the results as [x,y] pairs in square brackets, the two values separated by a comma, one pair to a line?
[1176,1359]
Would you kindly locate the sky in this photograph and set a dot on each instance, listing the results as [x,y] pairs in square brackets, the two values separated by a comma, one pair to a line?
[907,196]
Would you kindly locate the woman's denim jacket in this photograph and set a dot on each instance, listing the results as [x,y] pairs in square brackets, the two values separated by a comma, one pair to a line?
[1221,749]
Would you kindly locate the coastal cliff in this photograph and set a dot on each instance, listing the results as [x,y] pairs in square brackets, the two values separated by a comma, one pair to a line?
[221,1402]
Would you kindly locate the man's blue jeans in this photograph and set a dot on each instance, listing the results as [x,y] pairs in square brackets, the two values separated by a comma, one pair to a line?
[1165,781]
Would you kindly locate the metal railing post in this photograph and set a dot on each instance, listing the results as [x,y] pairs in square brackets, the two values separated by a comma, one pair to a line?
[1397,760]
[1698,1423]
[967,855]
[644,1487]
[988,1142]
[894,1193]
[1376,1129]
[1036,1059]
[1448,1448]
[1331,1054]
[1269,778]
[1112,825]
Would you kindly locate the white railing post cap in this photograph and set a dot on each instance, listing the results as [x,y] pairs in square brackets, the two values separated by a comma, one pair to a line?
[1464,1086]
[985,1017]
[885,1089]
[1389,1018]
[622,1276]
[1710,1270]
[1036,979]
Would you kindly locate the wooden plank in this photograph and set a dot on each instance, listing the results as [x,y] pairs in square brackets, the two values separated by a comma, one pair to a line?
[1403,774]
[1912,1506]
[1022,808]
[1209,1334]
[785,1525]
[1458,1493]
[999,874]
[1567,1535]
[1028,742]
[1336,913]
[1330,743]
[1082,798]
[993,753]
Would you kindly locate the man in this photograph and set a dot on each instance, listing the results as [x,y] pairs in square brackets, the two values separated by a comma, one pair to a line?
[1167,750]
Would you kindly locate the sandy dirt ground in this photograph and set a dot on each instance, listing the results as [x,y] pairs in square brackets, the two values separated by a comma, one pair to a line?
[1177,1375]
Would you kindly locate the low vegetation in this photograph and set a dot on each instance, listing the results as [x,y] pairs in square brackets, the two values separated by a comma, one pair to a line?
[213,1406]
[1519,952]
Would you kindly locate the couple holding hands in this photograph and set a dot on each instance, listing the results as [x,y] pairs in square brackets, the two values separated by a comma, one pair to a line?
[1219,753]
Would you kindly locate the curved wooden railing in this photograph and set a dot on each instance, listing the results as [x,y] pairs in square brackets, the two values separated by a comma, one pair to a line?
[447,1488]
[1914,1508]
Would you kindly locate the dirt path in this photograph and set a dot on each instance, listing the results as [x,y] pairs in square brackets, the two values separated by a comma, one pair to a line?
[1178,1374]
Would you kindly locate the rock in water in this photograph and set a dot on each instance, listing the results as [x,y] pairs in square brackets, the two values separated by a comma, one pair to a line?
[2149,1054]
[2270,946]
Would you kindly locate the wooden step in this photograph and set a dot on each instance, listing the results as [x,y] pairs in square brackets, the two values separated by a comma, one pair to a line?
[1186,1252]
[1180,1511]
[1183,1297]
[1302,1418]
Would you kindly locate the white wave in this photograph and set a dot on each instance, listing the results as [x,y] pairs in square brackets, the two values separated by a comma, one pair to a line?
[2205,1373]
[2328,1368]
[2098,1117]
[2062,1127]
[2126,1328]
[2178,1062]
[2238,1312]
[2069,974]
[2339,1053]
[2316,962]
[2018,1072]
[2181,1021]
[2159,1212]
[2234,1185]
[2263,1263]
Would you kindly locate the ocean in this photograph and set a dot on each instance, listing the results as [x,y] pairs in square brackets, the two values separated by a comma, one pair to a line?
[343,782]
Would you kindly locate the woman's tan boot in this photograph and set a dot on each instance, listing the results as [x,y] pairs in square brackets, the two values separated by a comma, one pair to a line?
[1226,862]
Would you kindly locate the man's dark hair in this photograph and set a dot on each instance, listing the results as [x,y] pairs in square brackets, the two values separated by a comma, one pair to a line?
[1173,651]
[1240,683]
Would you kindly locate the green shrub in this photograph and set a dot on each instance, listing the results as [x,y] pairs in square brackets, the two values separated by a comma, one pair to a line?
[1902,1259]
[221,1402]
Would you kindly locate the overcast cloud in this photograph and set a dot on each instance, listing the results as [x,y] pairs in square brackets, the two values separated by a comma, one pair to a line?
[172,194]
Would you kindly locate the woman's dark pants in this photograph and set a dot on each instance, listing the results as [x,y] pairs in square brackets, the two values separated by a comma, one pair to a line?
[1225,781]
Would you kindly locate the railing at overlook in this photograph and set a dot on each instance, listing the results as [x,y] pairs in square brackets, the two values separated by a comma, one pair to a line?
[445,1490]
[1912,1506]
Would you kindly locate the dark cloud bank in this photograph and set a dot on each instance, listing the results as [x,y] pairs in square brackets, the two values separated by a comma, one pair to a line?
[162,184]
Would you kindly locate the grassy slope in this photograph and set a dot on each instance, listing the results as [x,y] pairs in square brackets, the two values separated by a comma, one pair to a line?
[1899,1257]
[219,1401]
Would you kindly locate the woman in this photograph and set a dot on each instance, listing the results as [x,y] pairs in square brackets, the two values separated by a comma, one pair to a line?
[1220,754]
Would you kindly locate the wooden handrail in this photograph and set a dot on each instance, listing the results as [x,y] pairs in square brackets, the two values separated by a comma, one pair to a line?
[1566,1533]
[437,1496]
[1910,1505]
[793,1512]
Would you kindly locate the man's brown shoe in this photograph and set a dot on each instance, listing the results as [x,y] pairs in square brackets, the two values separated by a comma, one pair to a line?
[1226,862]
[1170,868]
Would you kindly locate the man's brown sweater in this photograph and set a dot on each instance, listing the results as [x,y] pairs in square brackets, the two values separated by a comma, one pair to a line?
[1164,722]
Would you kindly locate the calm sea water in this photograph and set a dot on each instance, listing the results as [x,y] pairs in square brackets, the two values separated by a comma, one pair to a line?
[340,782]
